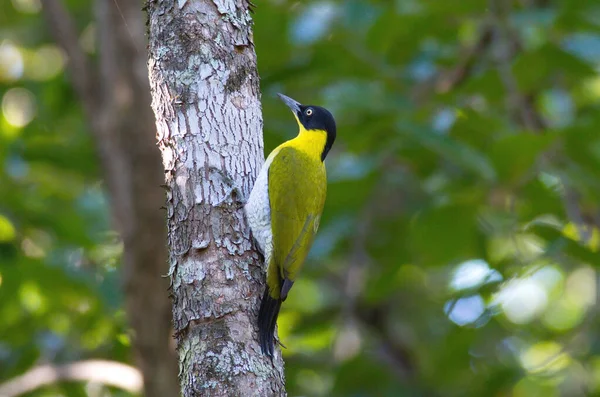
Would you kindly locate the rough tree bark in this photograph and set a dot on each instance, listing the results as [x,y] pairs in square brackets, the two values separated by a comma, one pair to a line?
[205,95]
[116,98]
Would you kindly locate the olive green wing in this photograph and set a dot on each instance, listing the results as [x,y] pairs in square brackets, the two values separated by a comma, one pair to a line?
[297,189]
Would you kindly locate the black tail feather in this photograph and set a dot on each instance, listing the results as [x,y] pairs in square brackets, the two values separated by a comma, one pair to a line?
[267,318]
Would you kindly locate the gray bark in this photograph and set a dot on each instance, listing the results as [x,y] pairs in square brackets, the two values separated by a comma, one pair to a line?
[206,99]
[116,99]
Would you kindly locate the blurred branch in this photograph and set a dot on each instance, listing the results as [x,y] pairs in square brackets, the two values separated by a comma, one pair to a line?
[360,259]
[355,280]
[596,221]
[390,349]
[396,354]
[63,30]
[386,72]
[571,200]
[110,373]
[507,46]
[535,3]
[116,99]
[452,78]
[442,82]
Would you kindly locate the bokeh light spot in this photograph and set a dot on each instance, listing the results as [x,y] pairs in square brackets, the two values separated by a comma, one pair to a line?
[18,107]
[314,22]
[543,357]
[578,294]
[563,315]
[581,287]
[124,339]
[31,298]
[11,62]
[591,88]
[44,63]
[444,120]
[473,273]
[594,372]
[27,6]
[348,342]
[7,230]
[549,277]
[558,108]
[87,40]
[348,167]
[60,324]
[97,335]
[285,324]
[465,310]
[314,382]
[522,300]
[305,298]
[531,386]
[31,249]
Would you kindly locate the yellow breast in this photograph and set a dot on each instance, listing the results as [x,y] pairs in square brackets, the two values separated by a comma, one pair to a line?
[309,142]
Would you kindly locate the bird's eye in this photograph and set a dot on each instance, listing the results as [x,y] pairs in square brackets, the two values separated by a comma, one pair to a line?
[308,112]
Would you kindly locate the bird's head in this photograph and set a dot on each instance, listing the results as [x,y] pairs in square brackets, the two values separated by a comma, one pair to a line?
[313,118]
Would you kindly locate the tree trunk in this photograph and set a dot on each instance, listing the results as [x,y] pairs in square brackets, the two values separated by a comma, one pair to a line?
[116,99]
[206,99]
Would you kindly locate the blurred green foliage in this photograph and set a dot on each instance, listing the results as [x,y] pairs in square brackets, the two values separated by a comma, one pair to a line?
[59,285]
[458,250]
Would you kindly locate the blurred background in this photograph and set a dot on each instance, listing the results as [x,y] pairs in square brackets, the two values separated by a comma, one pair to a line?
[458,249]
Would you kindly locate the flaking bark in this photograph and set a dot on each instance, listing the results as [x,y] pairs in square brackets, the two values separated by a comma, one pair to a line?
[206,98]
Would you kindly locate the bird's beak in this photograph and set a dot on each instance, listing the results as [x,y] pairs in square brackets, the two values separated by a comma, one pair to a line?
[292,104]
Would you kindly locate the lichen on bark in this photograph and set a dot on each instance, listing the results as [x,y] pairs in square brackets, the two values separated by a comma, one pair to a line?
[206,98]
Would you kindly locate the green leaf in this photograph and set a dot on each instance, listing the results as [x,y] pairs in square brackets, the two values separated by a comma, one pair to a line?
[558,244]
[462,155]
[476,129]
[533,69]
[536,199]
[356,377]
[443,235]
[513,156]
[582,145]
[487,83]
